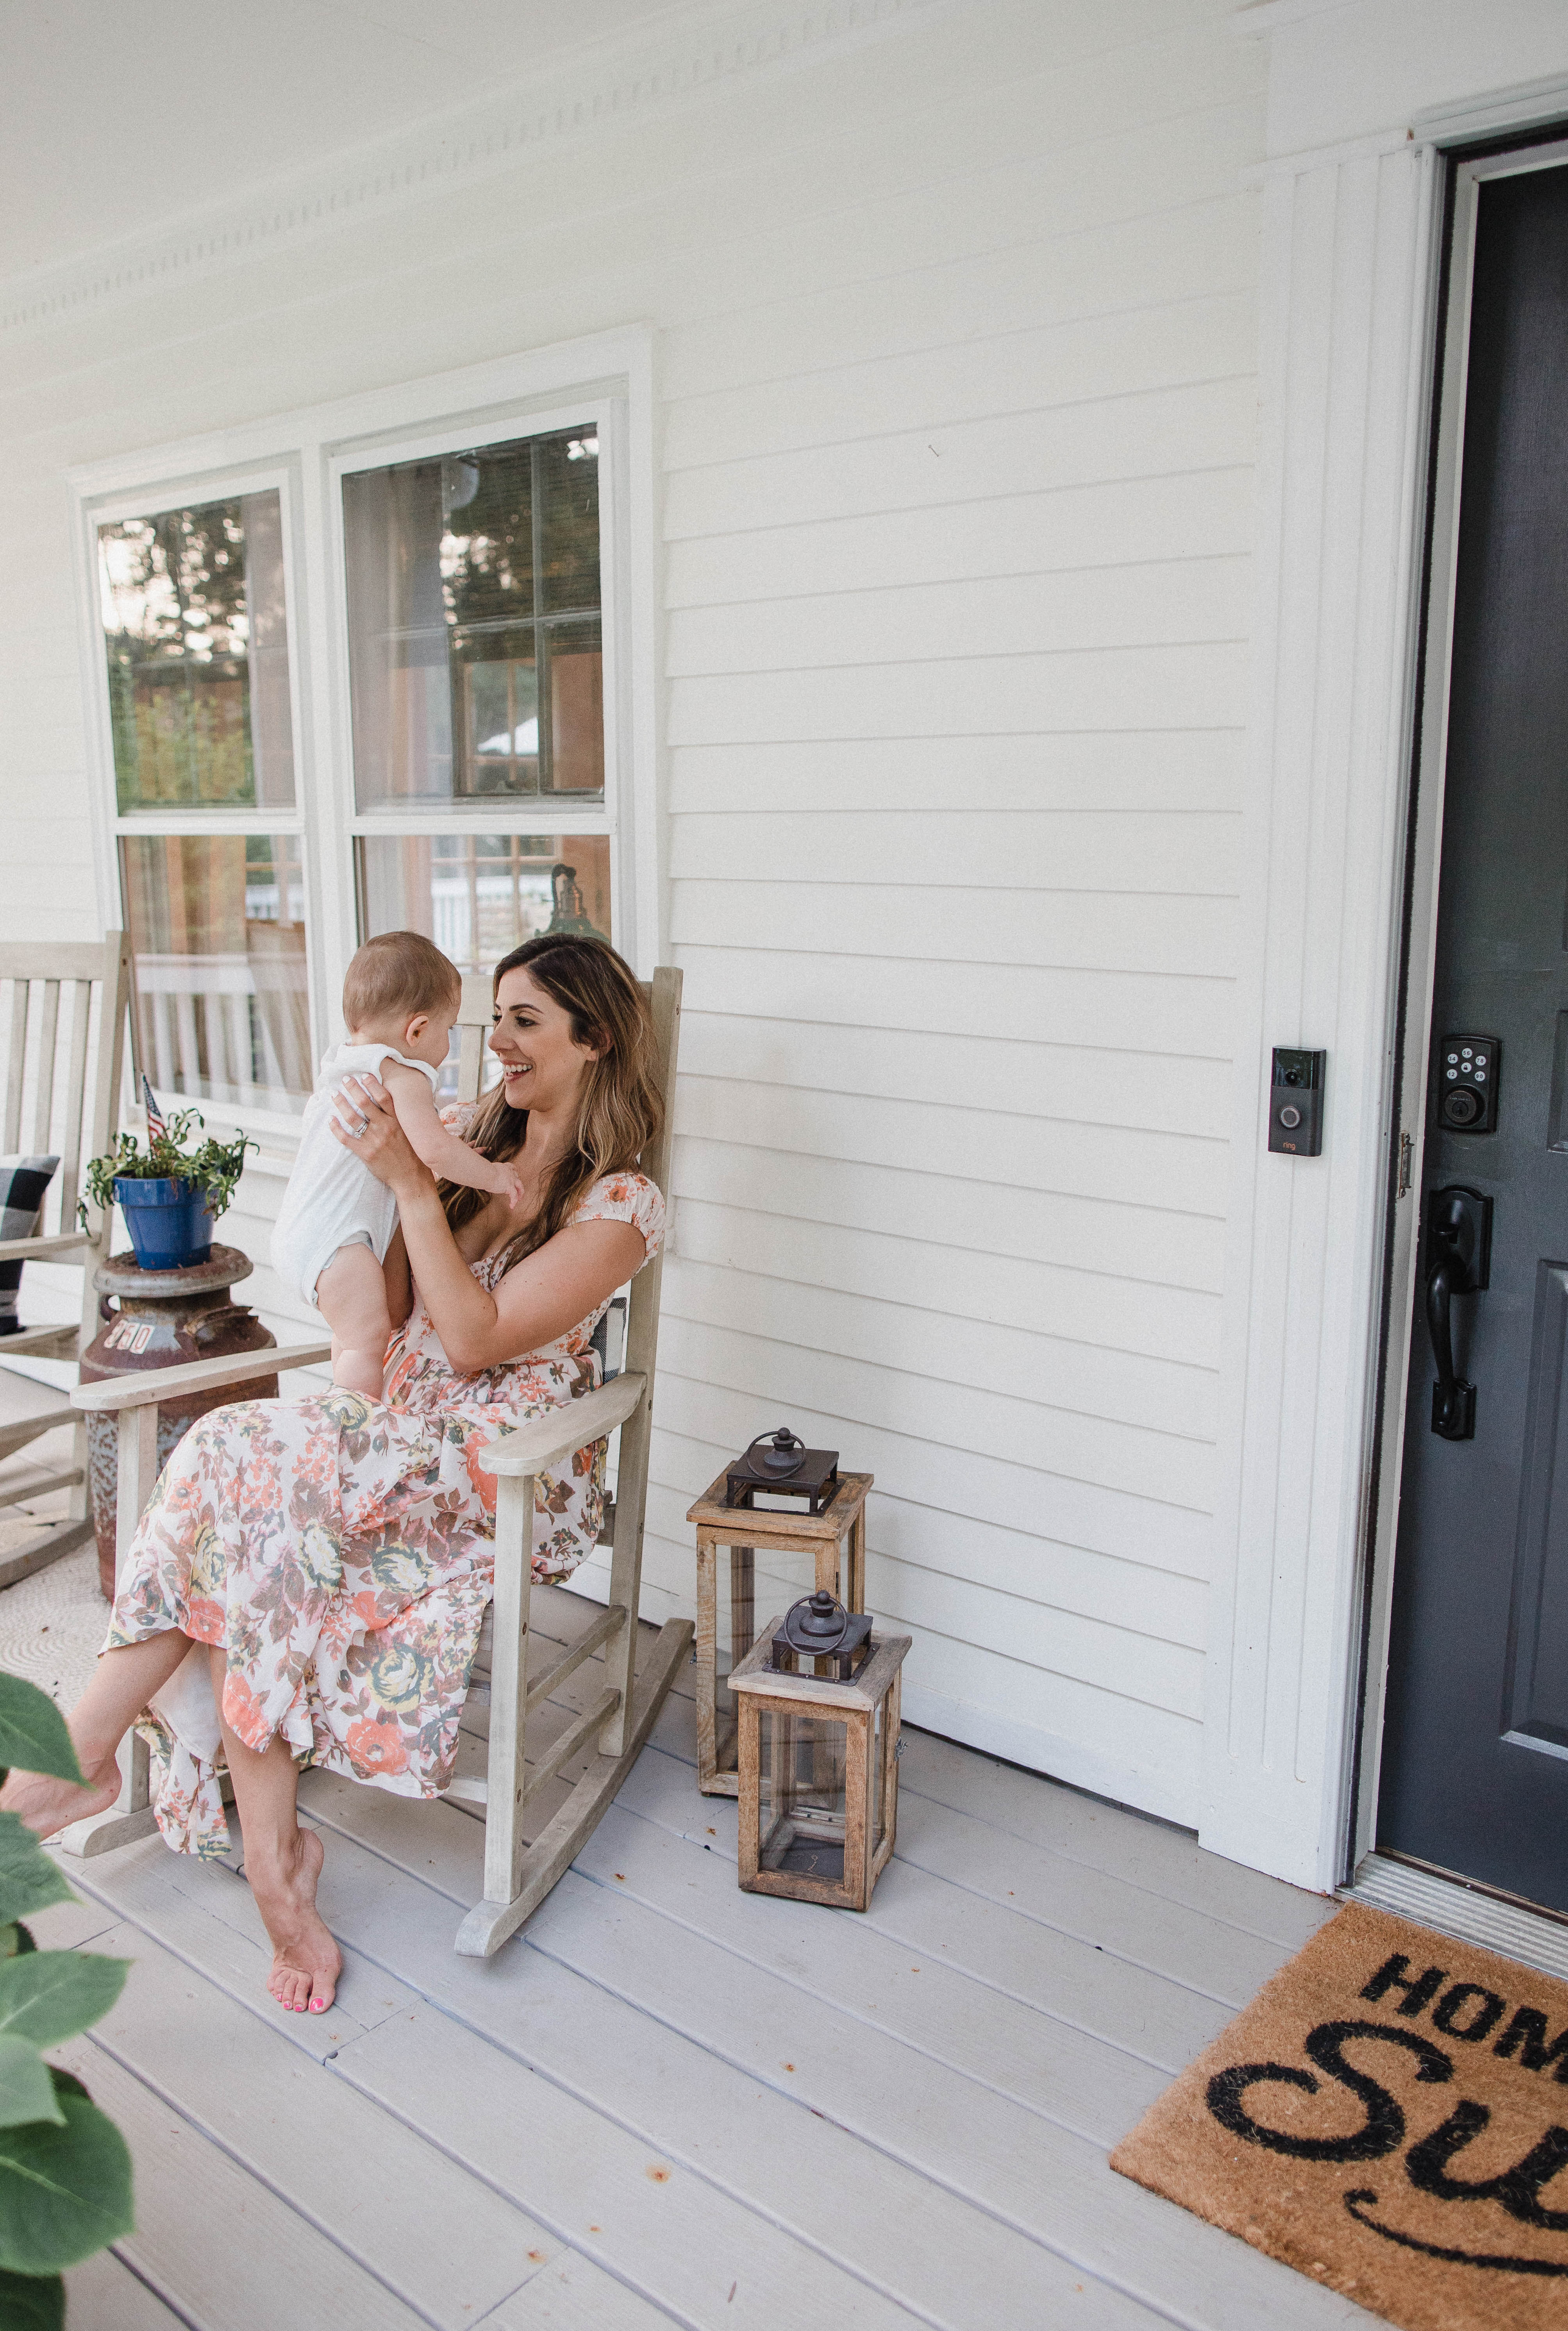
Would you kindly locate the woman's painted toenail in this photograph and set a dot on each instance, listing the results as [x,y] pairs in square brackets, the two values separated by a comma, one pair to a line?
[317,2006]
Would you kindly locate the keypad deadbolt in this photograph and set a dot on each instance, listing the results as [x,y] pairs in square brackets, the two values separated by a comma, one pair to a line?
[1466,1080]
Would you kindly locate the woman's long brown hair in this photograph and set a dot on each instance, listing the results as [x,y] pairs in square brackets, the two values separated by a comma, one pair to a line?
[621,1108]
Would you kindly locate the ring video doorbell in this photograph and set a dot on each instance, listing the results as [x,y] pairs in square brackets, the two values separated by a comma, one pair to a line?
[1296,1103]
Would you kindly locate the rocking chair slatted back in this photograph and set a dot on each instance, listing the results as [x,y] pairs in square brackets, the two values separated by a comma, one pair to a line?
[60,1004]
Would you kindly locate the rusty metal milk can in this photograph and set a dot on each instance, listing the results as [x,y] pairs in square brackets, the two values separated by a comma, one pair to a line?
[166,1319]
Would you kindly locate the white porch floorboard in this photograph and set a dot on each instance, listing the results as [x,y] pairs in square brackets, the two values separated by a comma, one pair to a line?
[667,2101]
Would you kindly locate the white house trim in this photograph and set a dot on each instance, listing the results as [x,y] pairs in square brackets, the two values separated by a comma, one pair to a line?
[1350,299]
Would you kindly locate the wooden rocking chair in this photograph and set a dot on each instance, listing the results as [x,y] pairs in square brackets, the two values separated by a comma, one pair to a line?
[518,1873]
[47,1020]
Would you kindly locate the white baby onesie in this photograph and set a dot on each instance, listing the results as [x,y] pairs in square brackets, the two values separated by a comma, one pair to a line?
[333,1199]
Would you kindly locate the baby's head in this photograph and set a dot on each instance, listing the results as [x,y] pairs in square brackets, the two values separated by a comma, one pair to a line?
[403,992]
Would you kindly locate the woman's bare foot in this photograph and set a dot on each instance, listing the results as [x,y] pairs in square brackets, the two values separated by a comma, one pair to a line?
[306,1961]
[46,1805]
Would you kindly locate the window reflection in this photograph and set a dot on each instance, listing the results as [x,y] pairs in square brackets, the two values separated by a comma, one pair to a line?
[479,895]
[217,926]
[475,639]
[197,639]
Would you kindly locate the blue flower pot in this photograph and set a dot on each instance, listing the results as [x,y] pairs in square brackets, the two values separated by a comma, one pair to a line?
[170,1221]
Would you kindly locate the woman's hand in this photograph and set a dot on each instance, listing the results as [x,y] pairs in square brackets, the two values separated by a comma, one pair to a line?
[365,1121]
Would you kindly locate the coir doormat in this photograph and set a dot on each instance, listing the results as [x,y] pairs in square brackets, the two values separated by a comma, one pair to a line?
[1390,2116]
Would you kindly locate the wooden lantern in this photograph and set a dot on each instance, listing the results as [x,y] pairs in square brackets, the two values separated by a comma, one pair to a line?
[833,1540]
[818,1774]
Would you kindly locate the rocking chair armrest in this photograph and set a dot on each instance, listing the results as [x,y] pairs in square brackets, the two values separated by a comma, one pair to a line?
[35,1249]
[547,1441]
[160,1385]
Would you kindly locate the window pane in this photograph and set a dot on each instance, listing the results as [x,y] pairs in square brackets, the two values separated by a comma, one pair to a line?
[197,639]
[567,470]
[479,895]
[474,641]
[217,924]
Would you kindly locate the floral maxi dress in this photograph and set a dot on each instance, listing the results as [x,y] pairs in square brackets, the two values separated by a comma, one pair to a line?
[341,1549]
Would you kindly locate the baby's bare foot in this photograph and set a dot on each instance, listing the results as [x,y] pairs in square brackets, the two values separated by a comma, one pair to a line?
[306,1961]
[46,1805]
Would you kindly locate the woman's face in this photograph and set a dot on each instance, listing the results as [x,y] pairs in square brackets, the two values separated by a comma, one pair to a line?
[541,1061]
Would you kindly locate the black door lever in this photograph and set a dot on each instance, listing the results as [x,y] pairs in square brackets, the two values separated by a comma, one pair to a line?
[1458,1262]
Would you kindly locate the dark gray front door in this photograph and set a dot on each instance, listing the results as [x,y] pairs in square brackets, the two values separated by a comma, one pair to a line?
[1475,1770]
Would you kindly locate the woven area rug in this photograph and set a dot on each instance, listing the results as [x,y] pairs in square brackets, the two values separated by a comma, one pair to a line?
[1390,2116]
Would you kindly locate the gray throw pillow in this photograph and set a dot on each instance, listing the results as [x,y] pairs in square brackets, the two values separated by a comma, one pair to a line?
[23,1182]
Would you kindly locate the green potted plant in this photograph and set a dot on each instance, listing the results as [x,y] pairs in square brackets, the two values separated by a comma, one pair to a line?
[65,2175]
[171,1193]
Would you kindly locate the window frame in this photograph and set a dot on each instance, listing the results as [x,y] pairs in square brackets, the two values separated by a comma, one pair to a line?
[604,381]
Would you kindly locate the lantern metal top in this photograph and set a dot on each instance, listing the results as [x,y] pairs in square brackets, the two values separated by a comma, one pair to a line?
[820,1627]
[781,1464]
[756,1673]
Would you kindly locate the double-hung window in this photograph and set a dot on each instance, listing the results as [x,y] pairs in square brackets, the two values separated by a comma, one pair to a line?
[476,661]
[194,605]
[365,683]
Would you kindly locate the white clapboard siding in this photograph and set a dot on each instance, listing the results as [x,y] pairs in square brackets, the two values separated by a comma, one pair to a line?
[957,398]
[959,1283]
[1173,937]
[1156,604]
[1113,355]
[1195,687]
[1184,253]
[1174,1172]
[1162,438]
[1149,1461]
[1182,1014]
[1139,1243]
[1085,1380]
[1061,194]
[1061,849]
[1184,771]
[1165,1091]
[1115,525]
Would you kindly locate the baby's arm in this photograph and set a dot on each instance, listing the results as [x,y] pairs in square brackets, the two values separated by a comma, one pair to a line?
[441,1151]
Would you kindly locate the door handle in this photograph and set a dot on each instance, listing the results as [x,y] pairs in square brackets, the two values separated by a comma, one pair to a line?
[1453,1399]
[1458,1262]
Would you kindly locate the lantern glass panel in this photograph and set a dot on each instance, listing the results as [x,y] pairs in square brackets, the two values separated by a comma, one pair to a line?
[800,1801]
[750,1587]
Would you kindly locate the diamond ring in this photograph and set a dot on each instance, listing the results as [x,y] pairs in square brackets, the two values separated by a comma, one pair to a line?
[355,1130]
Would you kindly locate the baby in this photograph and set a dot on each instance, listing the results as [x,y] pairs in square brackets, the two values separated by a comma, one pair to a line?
[400,1000]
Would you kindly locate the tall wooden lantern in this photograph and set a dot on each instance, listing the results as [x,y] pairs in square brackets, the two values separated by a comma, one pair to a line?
[819,1755]
[807,1506]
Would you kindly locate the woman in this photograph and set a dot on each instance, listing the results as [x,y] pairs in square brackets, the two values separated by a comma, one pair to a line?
[308,1582]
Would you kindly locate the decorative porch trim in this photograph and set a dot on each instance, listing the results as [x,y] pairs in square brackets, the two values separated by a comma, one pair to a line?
[1349,272]
[706,50]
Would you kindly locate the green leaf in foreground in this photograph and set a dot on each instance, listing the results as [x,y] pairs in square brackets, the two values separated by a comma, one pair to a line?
[32,1733]
[31,2302]
[64,2192]
[26,2091]
[50,1995]
[29,1880]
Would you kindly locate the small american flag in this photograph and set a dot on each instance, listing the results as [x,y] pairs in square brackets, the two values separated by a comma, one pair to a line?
[155,1116]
